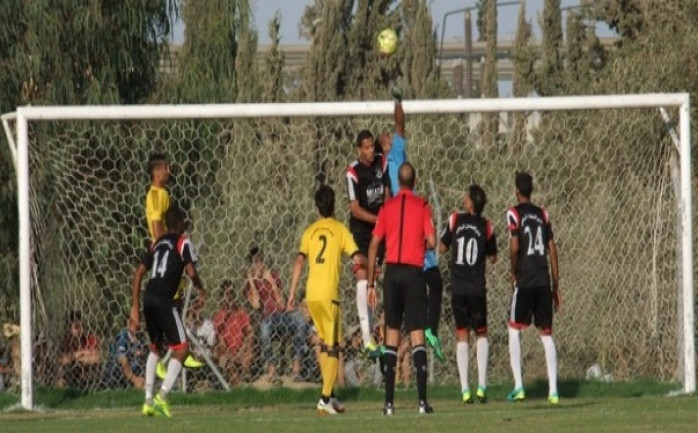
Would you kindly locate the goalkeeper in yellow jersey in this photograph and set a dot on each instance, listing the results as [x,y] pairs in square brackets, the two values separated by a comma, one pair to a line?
[322,244]
[157,201]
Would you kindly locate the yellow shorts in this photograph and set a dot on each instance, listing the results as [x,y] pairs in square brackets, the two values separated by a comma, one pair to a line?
[327,320]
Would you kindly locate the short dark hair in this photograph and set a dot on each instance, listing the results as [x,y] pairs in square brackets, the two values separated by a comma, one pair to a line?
[254,250]
[478,197]
[324,201]
[362,135]
[174,217]
[155,160]
[406,175]
[524,183]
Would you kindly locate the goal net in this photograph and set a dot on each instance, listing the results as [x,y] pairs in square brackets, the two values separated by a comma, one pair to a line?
[606,168]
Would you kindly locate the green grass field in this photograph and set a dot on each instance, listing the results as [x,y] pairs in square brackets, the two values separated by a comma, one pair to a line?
[585,407]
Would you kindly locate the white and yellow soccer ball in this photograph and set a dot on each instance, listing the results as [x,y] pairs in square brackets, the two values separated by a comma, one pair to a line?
[387,42]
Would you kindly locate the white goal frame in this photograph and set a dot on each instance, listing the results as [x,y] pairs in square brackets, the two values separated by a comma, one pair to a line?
[19,146]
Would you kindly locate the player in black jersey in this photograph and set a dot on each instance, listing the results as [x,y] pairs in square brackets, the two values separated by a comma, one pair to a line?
[530,244]
[471,240]
[167,258]
[368,185]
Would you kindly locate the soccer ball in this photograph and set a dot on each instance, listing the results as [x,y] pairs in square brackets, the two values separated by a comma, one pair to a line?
[387,42]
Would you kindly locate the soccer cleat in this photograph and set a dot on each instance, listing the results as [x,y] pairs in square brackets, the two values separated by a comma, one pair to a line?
[553,398]
[162,406]
[516,395]
[388,409]
[466,397]
[161,370]
[148,410]
[435,343]
[481,394]
[425,408]
[372,350]
[337,405]
[192,362]
[325,408]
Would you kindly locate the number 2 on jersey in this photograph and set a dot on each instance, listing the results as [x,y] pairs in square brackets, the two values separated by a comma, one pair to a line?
[320,259]
[160,266]
[535,243]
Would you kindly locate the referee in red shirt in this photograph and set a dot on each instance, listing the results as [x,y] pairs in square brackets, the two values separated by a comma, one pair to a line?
[405,221]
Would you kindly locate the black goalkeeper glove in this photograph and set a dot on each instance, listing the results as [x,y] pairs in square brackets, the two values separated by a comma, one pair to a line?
[397,94]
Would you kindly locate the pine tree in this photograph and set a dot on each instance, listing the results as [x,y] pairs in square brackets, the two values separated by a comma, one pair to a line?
[524,58]
[550,72]
[489,125]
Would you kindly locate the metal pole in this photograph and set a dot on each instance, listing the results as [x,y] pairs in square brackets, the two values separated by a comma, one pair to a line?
[468,54]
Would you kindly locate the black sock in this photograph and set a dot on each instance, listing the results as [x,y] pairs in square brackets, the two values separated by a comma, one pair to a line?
[436,286]
[325,399]
[390,358]
[419,359]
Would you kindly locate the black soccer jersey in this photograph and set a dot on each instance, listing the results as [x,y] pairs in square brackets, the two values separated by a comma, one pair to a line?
[166,261]
[471,239]
[531,224]
[367,184]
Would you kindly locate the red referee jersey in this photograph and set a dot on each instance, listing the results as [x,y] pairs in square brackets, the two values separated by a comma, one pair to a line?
[405,222]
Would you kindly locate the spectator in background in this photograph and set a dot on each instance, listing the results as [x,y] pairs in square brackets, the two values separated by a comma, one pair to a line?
[234,349]
[80,355]
[264,292]
[10,357]
[126,364]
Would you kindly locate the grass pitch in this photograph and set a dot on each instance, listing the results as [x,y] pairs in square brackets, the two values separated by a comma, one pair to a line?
[584,407]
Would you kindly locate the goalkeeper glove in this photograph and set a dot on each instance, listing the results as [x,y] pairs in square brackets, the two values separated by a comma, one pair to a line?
[397,94]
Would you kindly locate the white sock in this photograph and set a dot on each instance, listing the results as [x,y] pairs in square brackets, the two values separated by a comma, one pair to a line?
[483,347]
[174,367]
[150,365]
[550,361]
[362,308]
[462,360]
[515,356]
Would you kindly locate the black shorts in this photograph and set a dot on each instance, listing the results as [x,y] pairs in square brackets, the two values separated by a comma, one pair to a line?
[363,240]
[532,305]
[404,293]
[163,322]
[470,311]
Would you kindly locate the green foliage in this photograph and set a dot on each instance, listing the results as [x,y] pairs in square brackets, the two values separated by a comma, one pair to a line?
[489,124]
[524,58]
[550,71]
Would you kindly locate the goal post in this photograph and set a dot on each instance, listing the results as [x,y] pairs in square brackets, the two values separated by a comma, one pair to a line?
[440,135]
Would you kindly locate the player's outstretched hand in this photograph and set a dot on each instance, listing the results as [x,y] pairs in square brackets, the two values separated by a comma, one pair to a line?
[372,299]
[291,303]
[397,93]
[557,301]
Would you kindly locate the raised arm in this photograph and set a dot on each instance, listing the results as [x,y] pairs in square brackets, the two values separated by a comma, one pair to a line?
[399,115]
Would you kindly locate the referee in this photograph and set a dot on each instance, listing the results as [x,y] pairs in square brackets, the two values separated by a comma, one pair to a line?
[405,221]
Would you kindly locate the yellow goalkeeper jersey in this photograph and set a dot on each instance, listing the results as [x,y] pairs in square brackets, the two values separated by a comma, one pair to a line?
[323,244]
[156,203]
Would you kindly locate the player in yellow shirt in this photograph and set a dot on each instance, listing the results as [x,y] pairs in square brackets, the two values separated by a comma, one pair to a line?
[157,201]
[323,243]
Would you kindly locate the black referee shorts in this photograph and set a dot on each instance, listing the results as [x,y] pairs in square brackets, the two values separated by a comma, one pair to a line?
[163,322]
[404,294]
